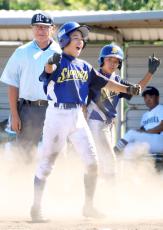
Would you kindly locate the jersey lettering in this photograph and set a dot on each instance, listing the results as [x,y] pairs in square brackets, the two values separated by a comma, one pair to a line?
[72,74]
[153,119]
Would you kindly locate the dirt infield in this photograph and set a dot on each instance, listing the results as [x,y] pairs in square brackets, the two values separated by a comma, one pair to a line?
[80,224]
[131,201]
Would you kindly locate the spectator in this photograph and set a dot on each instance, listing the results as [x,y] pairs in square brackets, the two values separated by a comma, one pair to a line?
[151,126]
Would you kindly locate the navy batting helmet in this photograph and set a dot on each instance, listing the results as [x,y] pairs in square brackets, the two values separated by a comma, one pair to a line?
[65,30]
[111,50]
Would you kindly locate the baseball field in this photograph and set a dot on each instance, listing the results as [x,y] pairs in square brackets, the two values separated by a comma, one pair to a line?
[130,201]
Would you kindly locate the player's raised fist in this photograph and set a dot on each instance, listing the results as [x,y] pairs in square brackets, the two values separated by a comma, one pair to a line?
[55,59]
[153,64]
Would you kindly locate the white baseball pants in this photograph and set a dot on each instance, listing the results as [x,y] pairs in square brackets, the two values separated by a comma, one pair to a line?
[106,156]
[155,141]
[61,125]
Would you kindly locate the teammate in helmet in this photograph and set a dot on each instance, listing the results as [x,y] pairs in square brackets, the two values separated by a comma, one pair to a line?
[67,91]
[102,109]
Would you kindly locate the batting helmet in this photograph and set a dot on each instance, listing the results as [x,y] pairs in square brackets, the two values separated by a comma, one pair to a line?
[110,51]
[64,31]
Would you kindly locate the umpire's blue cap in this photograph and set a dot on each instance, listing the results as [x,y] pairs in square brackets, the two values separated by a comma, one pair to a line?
[42,19]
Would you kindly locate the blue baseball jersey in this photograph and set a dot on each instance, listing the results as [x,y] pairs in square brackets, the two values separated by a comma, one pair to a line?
[72,80]
[106,101]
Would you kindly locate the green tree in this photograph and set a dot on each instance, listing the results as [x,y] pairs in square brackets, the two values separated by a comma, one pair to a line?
[140,4]
[24,4]
[4,4]
[82,4]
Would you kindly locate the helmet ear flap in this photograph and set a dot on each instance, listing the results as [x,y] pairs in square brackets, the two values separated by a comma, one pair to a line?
[64,40]
[120,64]
[101,61]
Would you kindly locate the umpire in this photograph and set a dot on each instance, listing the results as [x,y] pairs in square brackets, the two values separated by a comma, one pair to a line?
[26,97]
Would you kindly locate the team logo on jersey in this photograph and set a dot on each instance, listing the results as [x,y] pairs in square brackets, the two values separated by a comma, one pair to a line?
[107,94]
[151,120]
[72,75]
[103,94]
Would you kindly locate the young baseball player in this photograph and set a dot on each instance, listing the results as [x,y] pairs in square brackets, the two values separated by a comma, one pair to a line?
[151,126]
[102,109]
[67,81]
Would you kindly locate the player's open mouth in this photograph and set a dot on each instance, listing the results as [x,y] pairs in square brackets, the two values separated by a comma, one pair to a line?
[78,48]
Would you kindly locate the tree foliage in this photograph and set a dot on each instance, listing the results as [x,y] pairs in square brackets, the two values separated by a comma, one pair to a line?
[82,4]
[4,4]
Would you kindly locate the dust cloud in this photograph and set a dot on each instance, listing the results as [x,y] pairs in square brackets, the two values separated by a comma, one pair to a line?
[135,193]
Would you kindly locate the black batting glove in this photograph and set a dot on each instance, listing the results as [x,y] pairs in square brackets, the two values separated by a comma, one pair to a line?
[134,90]
[55,59]
[153,64]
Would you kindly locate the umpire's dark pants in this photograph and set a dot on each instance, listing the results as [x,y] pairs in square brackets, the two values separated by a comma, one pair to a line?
[32,115]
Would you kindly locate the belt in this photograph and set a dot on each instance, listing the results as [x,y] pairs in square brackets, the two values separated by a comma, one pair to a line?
[34,103]
[66,105]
